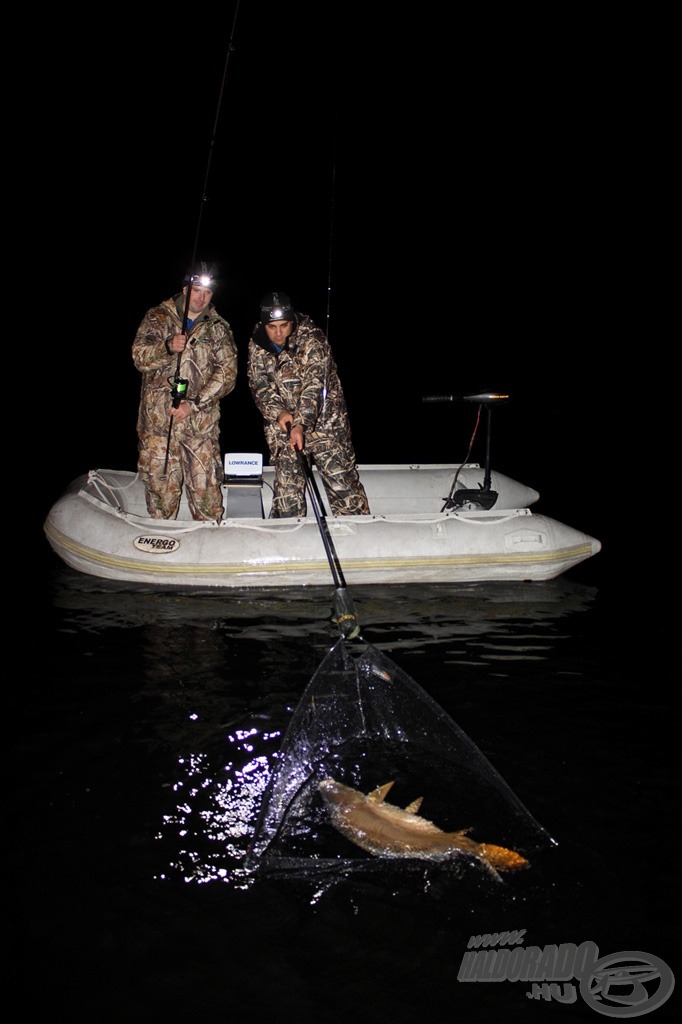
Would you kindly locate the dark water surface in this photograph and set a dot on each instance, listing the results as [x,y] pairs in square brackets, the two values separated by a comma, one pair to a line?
[145,720]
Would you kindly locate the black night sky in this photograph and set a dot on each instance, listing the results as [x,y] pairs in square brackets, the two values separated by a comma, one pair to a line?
[465,201]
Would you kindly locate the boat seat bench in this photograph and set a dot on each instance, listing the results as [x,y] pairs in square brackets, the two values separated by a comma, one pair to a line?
[243,501]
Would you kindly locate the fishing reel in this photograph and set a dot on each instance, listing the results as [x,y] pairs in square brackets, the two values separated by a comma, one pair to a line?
[178,390]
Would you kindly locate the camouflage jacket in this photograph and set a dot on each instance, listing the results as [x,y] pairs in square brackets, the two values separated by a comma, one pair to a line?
[209,364]
[302,379]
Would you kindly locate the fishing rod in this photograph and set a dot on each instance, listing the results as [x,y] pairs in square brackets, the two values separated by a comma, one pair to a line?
[180,384]
[344,609]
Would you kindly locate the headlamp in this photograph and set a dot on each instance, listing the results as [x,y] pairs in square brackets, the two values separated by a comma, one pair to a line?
[276,306]
[201,275]
[202,281]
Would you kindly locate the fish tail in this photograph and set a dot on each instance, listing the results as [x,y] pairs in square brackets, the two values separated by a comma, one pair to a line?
[501,857]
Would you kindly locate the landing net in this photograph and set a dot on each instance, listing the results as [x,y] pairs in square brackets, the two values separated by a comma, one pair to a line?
[365,722]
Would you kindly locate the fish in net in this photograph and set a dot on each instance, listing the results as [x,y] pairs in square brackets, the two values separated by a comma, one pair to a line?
[362,724]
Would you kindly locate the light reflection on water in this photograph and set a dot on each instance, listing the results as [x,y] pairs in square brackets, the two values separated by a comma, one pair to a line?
[206,654]
[150,721]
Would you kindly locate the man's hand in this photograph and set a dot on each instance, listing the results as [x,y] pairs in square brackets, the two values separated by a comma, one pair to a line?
[296,438]
[182,411]
[177,343]
[296,434]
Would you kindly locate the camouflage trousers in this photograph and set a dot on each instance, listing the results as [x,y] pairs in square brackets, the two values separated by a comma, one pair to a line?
[336,465]
[194,462]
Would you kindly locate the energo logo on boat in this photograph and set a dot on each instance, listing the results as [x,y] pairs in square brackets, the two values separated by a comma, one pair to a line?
[157,545]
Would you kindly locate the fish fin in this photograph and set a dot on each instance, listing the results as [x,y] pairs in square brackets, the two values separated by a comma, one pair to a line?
[462,832]
[502,858]
[378,795]
[414,806]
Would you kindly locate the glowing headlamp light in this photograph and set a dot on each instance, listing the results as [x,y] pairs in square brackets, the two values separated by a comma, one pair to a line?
[202,281]
[276,306]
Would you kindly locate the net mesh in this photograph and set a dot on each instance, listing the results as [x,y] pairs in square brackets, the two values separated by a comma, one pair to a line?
[364,722]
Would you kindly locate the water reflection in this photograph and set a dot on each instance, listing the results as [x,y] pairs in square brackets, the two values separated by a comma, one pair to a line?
[398,616]
[221,674]
[150,722]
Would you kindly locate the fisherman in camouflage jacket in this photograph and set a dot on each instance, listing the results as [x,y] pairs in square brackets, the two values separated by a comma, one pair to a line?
[179,428]
[294,382]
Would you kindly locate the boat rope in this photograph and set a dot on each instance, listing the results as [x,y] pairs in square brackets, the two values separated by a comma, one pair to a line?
[107,494]
[101,485]
[477,517]
[168,526]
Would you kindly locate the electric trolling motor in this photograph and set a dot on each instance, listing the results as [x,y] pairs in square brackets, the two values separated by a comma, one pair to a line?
[484,497]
